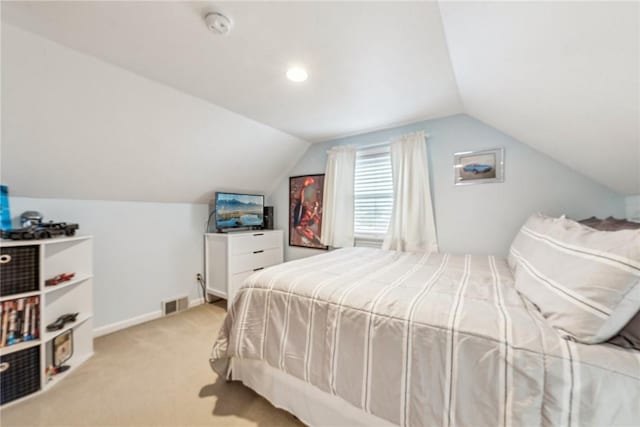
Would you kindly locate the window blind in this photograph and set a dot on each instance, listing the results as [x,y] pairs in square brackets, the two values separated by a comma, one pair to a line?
[373,196]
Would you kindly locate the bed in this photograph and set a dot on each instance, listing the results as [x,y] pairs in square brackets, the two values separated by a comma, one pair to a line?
[363,336]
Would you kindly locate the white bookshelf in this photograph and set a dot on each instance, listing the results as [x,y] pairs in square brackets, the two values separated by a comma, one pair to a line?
[57,256]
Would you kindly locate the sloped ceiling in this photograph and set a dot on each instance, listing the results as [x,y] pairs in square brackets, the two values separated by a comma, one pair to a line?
[75,127]
[561,77]
[370,64]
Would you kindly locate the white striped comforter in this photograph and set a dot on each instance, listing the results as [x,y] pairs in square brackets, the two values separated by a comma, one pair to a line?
[426,340]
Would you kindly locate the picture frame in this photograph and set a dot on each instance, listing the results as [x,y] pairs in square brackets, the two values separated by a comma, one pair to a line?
[305,211]
[62,346]
[479,167]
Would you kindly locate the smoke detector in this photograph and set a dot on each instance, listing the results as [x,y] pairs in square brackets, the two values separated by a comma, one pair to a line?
[218,23]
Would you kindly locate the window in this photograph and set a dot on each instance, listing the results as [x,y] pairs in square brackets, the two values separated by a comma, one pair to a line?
[373,195]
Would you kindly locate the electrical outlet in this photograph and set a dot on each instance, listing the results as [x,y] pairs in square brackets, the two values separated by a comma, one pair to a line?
[198,277]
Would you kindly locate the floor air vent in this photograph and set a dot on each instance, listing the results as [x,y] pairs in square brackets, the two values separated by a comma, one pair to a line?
[174,305]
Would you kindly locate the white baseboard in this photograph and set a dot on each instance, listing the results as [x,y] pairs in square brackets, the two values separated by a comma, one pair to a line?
[127,323]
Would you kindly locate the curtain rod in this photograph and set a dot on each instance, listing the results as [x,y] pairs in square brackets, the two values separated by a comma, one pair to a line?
[374,145]
[381,144]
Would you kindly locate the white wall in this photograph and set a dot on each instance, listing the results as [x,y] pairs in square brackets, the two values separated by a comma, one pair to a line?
[143,252]
[76,129]
[480,218]
[633,208]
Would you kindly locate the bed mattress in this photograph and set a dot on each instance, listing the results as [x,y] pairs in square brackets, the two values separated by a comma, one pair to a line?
[425,339]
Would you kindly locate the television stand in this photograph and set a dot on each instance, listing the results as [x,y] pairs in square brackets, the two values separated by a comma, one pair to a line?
[230,258]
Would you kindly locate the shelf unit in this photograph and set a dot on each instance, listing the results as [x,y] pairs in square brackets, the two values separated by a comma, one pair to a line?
[56,256]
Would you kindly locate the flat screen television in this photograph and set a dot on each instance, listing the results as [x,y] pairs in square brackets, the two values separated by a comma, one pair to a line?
[238,211]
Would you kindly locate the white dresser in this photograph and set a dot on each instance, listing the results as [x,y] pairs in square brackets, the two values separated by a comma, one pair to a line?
[230,258]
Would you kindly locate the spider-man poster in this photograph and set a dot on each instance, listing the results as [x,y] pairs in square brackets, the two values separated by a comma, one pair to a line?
[305,211]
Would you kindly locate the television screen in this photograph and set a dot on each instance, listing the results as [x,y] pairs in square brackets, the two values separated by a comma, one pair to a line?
[239,210]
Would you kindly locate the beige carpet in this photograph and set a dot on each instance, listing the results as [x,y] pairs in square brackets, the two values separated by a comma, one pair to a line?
[154,374]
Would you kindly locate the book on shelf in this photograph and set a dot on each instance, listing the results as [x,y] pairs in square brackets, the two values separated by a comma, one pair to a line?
[20,319]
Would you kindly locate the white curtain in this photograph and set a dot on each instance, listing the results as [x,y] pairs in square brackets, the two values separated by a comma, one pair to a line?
[412,227]
[337,219]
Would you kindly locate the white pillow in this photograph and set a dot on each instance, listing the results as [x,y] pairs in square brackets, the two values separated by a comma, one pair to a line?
[585,282]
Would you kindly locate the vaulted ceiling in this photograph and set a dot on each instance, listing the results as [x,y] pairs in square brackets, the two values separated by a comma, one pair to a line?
[561,77]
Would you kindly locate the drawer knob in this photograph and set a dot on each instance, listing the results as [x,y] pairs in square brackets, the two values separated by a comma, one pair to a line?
[258,269]
[258,252]
[5,259]
[4,366]
[258,234]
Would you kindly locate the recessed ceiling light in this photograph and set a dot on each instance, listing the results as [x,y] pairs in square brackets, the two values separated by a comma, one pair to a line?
[297,74]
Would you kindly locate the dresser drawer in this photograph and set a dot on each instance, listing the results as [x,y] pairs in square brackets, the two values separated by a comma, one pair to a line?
[258,241]
[253,261]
